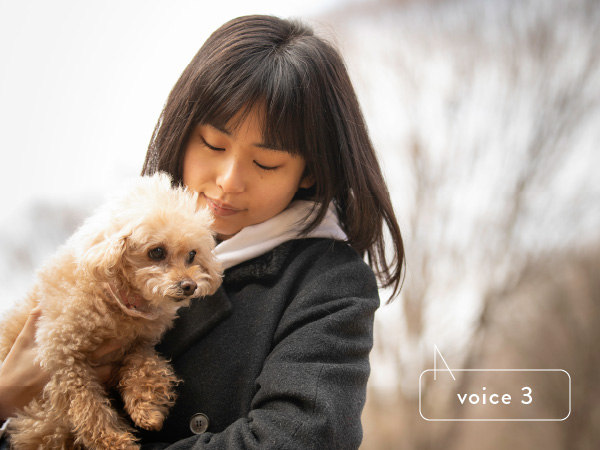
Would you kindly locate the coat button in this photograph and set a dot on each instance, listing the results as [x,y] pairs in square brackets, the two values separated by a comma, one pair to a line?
[199,423]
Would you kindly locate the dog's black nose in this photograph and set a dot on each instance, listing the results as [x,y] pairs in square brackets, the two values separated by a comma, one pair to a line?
[188,286]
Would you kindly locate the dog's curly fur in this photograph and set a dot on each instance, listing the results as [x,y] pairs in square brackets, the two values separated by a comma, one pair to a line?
[121,276]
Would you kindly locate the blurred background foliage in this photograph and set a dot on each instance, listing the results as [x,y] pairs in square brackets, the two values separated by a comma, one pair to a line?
[486,114]
[486,117]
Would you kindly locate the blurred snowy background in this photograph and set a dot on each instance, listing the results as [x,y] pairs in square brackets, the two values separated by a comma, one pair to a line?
[486,116]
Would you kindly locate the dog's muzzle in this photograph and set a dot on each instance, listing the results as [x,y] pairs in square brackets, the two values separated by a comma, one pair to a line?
[187,288]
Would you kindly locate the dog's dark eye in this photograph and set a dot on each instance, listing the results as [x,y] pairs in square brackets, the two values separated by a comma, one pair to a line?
[157,254]
[191,256]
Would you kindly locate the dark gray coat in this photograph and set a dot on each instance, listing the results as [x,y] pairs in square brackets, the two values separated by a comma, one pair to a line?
[278,358]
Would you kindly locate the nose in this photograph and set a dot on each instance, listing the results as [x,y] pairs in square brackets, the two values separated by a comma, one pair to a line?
[188,286]
[230,177]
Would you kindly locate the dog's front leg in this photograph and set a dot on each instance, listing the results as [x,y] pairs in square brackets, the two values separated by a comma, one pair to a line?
[34,429]
[147,383]
[77,398]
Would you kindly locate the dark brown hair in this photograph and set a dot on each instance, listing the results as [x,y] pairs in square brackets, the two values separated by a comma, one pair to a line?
[310,108]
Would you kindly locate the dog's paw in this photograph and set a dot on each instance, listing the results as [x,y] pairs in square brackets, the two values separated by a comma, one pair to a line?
[128,447]
[148,419]
[124,441]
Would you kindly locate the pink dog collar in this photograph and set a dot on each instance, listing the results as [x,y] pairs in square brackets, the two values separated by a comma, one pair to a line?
[135,306]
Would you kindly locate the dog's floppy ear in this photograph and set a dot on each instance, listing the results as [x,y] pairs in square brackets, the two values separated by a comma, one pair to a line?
[215,272]
[103,258]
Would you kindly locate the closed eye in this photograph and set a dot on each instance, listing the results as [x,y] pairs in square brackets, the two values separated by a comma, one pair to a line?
[212,147]
[267,168]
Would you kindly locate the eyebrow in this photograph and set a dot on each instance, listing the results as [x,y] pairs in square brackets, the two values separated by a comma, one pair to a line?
[220,128]
[261,145]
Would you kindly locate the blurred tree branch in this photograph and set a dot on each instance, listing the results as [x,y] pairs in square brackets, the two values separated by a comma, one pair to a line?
[487,113]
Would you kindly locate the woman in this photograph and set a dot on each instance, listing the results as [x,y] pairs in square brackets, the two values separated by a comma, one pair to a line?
[264,124]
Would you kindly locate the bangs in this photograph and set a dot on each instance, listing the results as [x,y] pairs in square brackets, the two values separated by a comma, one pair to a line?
[264,82]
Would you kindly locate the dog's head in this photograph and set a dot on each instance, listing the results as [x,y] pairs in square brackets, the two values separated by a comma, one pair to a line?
[153,247]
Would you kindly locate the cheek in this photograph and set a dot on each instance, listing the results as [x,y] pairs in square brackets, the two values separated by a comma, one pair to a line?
[275,198]
[145,278]
[288,185]
[193,173]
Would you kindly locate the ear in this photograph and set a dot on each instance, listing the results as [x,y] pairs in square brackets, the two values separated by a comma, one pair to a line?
[101,260]
[211,266]
[307,182]
[215,272]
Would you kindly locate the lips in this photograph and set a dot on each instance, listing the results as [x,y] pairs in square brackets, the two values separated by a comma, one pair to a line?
[220,208]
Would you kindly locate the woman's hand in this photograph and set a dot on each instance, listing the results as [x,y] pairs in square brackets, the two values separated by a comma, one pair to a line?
[22,378]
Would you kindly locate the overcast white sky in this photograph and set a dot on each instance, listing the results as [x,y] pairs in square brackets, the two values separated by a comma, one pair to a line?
[83,82]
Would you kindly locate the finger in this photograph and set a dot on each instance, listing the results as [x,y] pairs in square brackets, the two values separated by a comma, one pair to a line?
[105,373]
[26,337]
[36,312]
[107,348]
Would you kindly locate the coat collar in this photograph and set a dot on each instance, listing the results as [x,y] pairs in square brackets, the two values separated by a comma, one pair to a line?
[195,321]
[260,269]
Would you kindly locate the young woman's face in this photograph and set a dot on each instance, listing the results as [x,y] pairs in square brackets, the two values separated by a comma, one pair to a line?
[240,180]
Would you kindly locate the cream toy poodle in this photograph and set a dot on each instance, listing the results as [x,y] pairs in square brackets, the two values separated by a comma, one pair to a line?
[122,276]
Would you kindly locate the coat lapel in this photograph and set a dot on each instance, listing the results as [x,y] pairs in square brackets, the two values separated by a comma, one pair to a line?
[194,322]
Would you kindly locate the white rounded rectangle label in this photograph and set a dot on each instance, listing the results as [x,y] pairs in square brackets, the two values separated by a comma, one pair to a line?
[495,395]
